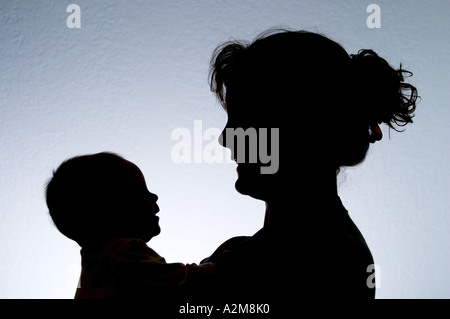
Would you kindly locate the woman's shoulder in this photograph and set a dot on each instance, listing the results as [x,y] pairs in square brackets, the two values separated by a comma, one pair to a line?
[230,244]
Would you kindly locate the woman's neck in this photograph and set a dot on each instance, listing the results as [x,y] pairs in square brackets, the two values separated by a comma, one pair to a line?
[298,201]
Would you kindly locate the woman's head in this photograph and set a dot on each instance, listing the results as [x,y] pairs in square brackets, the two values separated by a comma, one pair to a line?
[326,103]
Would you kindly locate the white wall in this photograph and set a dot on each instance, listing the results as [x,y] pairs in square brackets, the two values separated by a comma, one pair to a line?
[137,70]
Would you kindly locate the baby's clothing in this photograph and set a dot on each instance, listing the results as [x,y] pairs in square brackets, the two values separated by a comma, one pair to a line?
[126,267]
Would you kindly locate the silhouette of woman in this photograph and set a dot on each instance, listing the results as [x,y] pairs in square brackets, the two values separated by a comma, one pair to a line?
[327,106]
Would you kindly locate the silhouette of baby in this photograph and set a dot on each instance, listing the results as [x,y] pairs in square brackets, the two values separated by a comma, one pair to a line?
[101,201]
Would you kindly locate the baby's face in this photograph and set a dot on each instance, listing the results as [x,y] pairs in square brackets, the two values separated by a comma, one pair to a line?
[145,221]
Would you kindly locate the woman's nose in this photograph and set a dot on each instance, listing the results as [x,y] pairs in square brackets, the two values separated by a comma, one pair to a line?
[227,144]
[222,138]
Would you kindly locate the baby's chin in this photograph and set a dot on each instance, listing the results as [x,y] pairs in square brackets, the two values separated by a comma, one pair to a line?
[152,231]
[156,230]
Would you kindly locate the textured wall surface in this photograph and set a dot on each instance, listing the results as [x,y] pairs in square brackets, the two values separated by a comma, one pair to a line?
[137,70]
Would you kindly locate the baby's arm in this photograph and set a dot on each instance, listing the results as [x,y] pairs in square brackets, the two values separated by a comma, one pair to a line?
[140,270]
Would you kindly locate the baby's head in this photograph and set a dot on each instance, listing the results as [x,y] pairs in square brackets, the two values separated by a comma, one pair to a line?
[95,197]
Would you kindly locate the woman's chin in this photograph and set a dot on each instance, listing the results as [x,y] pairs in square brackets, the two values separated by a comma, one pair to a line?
[241,187]
[251,189]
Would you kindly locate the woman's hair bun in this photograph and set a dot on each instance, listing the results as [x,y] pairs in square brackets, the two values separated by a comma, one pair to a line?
[381,90]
